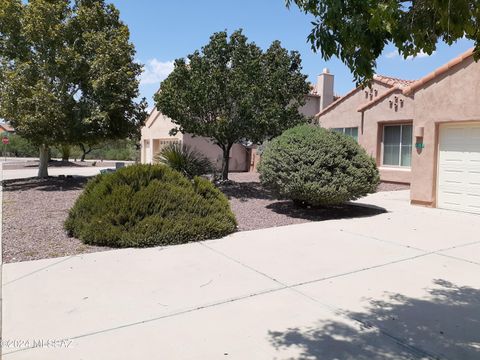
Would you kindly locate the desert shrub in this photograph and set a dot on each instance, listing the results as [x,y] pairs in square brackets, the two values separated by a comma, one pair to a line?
[108,150]
[315,166]
[184,159]
[148,205]
[20,147]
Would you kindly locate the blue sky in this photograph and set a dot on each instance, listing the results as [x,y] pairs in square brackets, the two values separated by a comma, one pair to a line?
[163,30]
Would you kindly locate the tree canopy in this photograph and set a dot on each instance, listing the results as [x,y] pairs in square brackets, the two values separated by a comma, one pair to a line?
[67,73]
[356,31]
[232,91]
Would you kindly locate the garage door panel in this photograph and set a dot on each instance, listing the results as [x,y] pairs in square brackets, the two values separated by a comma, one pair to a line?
[459,168]
[473,203]
[475,134]
[473,177]
[454,135]
[453,177]
[452,200]
[474,157]
[453,156]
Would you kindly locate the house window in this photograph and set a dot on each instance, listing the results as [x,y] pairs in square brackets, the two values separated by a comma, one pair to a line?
[349,131]
[397,145]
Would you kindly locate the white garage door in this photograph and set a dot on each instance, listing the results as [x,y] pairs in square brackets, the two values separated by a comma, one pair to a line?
[459,168]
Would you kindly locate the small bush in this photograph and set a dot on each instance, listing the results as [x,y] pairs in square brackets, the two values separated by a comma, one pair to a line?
[185,160]
[21,147]
[312,165]
[148,205]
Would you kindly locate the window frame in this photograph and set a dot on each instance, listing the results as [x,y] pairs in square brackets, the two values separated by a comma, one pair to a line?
[399,166]
[342,130]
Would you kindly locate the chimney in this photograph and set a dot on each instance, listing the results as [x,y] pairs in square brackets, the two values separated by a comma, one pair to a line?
[324,88]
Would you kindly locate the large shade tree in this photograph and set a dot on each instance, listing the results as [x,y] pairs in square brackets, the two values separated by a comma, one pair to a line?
[232,91]
[357,31]
[67,73]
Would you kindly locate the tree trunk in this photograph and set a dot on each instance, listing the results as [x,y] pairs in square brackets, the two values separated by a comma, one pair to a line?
[225,162]
[84,151]
[43,166]
[65,152]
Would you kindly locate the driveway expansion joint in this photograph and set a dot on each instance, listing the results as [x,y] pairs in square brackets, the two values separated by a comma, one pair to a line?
[401,342]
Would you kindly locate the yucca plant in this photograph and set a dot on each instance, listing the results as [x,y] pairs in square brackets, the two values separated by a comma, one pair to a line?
[184,159]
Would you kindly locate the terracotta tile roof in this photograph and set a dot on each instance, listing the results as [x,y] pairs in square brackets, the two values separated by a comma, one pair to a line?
[7,127]
[441,70]
[388,80]
[385,80]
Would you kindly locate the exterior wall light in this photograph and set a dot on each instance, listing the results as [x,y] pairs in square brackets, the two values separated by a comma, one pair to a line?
[419,132]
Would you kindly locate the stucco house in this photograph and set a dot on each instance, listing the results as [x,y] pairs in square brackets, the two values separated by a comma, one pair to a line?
[425,133]
[6,128]
[155,133]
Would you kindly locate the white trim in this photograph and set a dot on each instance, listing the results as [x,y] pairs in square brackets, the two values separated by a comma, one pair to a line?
[395,168]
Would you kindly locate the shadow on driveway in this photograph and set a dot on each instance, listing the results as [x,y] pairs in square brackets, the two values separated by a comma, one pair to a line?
[345,211]
[445,324]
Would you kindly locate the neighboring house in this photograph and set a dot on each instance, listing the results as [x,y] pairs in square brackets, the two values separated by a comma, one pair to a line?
[155,133]
[363,112]
[425,133]
[4,127]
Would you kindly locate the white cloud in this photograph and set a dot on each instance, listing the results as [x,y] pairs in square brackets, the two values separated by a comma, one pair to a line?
[392,54]
[420,55]
[155,71]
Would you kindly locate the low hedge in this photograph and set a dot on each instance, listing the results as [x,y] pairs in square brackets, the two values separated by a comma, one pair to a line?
[148,205]
[315,166]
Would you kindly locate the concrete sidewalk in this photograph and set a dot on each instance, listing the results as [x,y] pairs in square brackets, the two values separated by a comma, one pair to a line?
[401,285]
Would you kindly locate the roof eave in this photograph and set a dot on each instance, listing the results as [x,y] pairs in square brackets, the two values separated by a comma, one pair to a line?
[439,71]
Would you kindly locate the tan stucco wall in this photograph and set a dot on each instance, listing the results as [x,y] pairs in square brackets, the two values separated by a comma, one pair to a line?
[158,127]
[345,114]
[311,107]
[375,117]
[451,97]
[370,129]
[238,153]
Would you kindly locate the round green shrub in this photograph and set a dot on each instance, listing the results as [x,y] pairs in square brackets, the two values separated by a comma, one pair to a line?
[312,165]
[148,205]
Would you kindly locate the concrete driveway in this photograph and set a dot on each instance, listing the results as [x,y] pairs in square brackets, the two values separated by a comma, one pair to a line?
[401,285]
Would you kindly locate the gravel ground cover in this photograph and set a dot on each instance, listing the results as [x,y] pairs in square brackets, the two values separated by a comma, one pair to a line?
[256,208]
[34,211]
[33,214]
